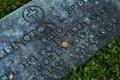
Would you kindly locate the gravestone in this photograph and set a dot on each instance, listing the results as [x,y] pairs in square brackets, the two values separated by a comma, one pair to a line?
[45,39]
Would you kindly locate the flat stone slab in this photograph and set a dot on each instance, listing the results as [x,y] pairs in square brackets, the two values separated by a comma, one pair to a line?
[45,39]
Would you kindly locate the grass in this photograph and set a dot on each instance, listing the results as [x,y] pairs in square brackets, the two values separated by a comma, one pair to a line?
[105,65]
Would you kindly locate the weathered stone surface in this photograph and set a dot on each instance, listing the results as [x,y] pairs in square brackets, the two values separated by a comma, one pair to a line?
[31,37]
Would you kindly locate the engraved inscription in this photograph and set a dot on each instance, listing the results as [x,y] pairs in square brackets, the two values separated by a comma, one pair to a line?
[33,14]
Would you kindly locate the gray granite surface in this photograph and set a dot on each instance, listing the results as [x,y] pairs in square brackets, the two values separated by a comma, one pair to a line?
[31,37]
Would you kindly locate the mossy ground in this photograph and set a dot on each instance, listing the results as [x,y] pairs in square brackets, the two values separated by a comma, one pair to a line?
[105,65]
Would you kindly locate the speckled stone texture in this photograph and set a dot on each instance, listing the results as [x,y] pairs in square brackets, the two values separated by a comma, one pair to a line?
[31,37]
